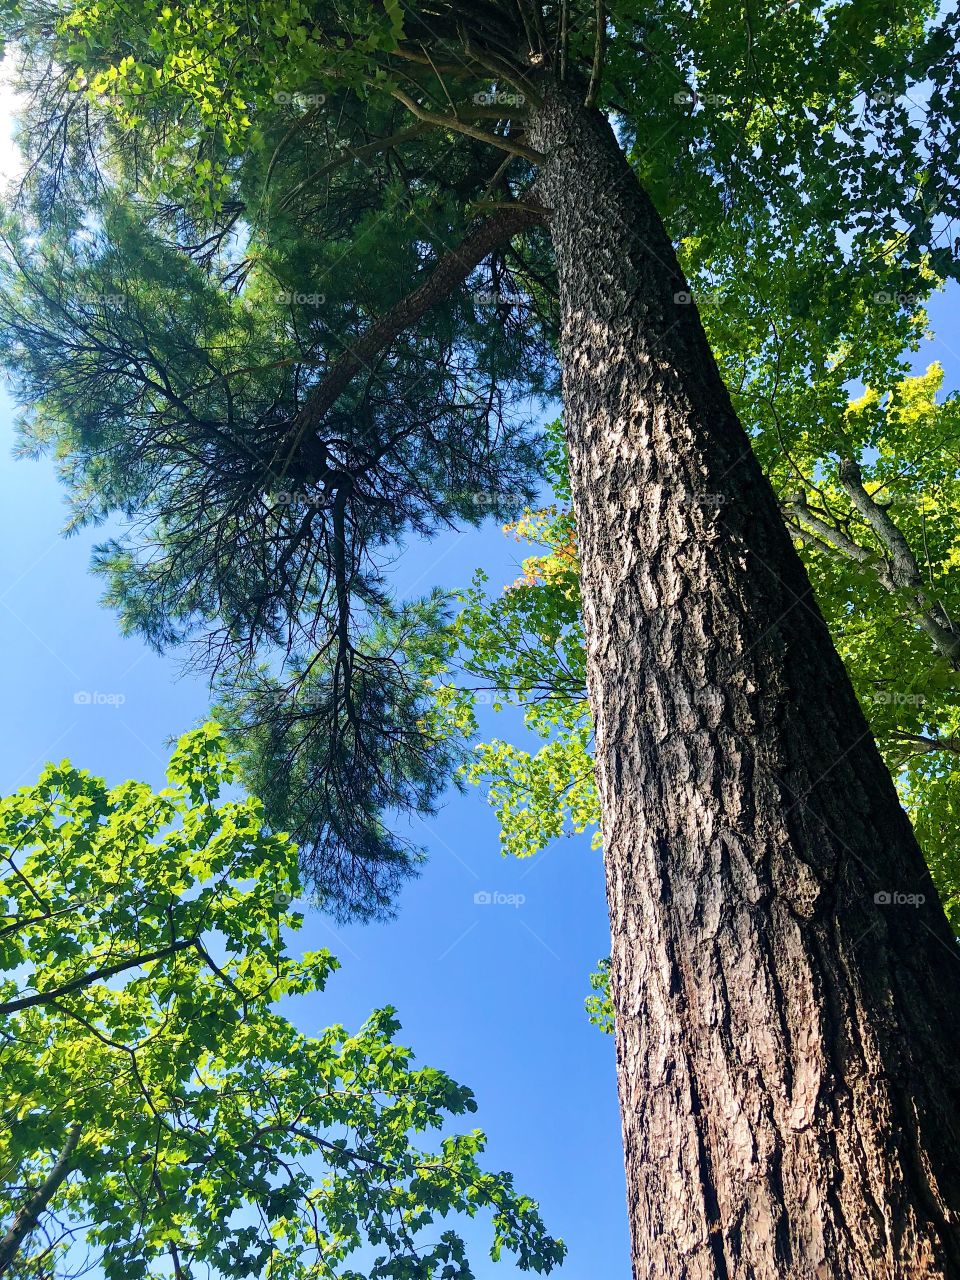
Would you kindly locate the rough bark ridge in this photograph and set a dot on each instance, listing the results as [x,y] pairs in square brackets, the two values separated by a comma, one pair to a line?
[788,1042]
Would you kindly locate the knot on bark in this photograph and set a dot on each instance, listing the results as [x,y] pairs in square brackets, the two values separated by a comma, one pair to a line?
[797,885]
[849,471]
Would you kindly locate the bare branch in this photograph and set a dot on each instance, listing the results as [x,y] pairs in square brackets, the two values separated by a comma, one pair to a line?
[456,125]
[599,52]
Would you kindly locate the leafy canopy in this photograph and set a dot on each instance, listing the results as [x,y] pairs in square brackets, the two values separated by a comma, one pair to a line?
[160,1108]
[280,296]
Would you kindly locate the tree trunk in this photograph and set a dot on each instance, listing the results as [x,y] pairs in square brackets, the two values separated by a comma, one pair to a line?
[28,1218]
[787,1023]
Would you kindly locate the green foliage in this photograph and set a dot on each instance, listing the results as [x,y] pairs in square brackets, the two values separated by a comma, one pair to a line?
[144,950]
[526,646]
[217,63]
[256,186]
[599,1006]
[334,782]
[247,533]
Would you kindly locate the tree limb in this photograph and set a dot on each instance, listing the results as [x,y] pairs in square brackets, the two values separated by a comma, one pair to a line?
[28,1217]
[456,125]
[897,571]
[451,271]
[356,153]
[925,743]
[599,52]
[98,975]
[902,571]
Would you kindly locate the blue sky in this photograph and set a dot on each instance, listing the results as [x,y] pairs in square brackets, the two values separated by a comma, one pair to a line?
[491,993]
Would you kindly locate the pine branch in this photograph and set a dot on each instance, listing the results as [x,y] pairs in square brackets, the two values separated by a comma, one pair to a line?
[449,272]
[457,125]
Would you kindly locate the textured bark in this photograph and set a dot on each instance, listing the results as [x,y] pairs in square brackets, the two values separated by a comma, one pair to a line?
[788,1043]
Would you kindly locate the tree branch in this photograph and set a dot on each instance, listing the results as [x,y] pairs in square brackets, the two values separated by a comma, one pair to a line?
[896,572]
[356,153]
[456,125]
[902,571]
[28,1217]
[451,271]
[599,53]
[98,975]
[925,743]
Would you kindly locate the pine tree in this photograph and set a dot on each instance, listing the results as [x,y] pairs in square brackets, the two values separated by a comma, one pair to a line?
[787,1049]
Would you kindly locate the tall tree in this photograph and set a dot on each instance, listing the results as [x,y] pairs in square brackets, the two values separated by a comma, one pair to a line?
[161,1114]
[788,1049]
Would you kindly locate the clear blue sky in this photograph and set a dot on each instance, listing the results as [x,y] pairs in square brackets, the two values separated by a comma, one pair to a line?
[493,994]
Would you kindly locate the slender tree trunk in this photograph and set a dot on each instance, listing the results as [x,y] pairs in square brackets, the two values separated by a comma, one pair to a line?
[29,1216]
[787,1025]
